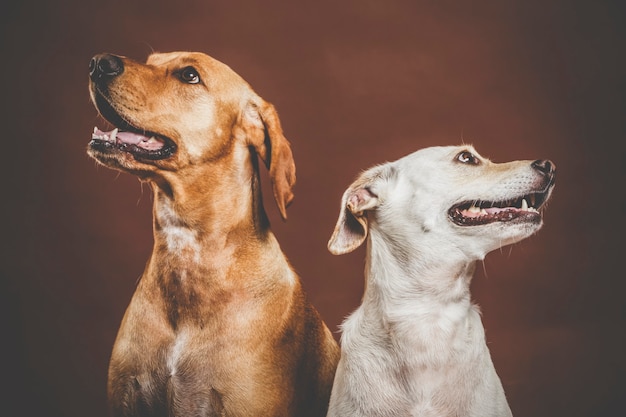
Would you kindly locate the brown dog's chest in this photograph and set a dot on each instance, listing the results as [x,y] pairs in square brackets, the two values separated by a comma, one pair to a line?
[168,381]
[158,368]
[186,300]
[203,337]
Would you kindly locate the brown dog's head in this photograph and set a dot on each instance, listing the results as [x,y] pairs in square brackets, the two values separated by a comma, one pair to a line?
[182,110]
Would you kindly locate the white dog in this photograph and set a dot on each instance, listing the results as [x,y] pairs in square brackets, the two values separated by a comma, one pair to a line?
[416,345]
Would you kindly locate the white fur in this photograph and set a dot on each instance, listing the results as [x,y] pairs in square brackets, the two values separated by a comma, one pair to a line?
[180,238]
[416,345]
[176,351]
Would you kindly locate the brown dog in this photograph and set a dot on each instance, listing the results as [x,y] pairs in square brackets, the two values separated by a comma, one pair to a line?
[219,324]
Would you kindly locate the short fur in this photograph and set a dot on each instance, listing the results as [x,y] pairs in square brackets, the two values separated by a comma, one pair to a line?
[416,345]
[219,324]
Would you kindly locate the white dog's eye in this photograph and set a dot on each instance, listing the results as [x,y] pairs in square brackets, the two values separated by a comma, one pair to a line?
[190,75]
[467,158]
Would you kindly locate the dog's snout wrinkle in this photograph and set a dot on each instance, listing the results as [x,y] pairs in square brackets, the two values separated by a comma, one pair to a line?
[105,66]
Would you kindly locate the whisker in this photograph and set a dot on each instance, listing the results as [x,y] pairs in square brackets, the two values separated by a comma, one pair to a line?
[141,192]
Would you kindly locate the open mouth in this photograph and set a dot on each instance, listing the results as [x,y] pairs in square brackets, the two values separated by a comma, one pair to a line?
[140,143]
[480,212]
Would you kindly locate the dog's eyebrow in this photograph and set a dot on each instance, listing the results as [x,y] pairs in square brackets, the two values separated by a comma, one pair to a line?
[188,61]
[176,60]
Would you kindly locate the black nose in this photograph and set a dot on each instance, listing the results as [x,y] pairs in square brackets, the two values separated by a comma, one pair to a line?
[105,66]
[545,166]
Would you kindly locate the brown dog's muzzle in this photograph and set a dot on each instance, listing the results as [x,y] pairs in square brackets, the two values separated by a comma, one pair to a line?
[139,141]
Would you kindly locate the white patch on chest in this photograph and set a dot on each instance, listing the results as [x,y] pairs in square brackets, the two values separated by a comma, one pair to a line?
[176,351]
[180,239]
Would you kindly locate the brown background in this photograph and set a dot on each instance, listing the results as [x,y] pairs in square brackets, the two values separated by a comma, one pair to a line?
[356,83]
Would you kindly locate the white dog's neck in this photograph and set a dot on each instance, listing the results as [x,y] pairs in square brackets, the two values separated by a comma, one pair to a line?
[421,300]
[426,274]
[418,336]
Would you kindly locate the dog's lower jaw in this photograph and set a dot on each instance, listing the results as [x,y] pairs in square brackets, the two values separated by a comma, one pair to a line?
[475,242]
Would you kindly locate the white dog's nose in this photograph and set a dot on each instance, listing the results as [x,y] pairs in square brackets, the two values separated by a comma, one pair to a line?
[545,166]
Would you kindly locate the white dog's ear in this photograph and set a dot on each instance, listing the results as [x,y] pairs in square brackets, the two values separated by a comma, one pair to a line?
[352,227]
[265,135]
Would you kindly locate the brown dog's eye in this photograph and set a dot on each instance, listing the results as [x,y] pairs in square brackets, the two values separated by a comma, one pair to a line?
[467,158]
[189,75]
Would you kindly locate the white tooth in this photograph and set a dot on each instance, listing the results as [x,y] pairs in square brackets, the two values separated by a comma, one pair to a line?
[113,135]
[95,129]
[524,204]
[474,209]
[483,212]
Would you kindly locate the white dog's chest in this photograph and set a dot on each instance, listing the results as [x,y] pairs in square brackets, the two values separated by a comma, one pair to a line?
[434,370]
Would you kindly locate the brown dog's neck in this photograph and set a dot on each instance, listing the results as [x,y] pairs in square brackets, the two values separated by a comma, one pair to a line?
[206,221]
[206,215]
[214,199]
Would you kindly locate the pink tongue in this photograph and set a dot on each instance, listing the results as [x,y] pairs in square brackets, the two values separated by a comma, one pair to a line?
[136,139]
[131,138]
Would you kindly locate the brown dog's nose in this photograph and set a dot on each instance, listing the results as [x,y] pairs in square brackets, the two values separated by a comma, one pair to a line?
[545,166]
[105,66]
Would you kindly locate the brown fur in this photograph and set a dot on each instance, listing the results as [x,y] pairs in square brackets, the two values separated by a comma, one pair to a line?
[219,324]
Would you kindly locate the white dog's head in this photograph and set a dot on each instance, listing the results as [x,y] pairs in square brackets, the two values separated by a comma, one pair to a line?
[445,197]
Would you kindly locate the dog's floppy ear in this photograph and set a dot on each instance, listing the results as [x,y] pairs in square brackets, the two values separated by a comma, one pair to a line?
[271,145]
[352,227]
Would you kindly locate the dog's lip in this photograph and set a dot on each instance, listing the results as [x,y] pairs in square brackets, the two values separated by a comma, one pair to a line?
[480,212]
[141,143]
[143,146]
[146,146]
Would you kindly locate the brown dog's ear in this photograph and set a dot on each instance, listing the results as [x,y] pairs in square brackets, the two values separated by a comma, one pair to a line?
[352,225]
[274,149]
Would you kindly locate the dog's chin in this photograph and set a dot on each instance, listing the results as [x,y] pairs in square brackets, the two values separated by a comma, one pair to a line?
[121,161]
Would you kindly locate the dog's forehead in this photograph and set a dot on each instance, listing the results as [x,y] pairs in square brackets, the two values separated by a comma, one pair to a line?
[437,154]
[179,58]
[198,60]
